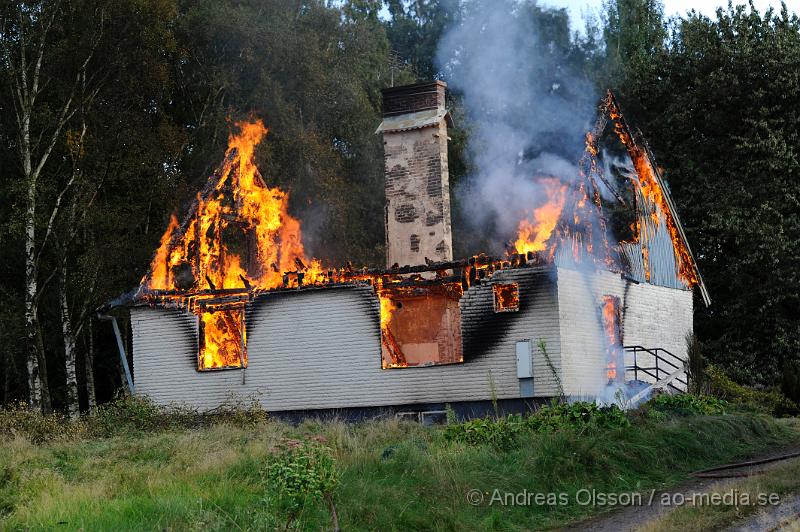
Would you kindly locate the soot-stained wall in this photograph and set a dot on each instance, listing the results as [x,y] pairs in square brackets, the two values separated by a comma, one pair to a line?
[320,348]
[309,349]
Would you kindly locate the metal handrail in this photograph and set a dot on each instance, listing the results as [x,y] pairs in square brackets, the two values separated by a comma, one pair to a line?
[647,372]
[654,352]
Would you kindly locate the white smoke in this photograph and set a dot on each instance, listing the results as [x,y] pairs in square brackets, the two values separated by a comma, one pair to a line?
[527,112]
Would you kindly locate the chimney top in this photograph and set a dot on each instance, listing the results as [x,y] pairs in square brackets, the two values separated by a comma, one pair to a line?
[412,98]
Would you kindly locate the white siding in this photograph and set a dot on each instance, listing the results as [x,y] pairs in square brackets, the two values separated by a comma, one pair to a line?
[494,336]
[652,316]
[321,349]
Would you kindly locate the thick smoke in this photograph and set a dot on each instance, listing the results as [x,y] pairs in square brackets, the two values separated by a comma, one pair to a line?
[527,111]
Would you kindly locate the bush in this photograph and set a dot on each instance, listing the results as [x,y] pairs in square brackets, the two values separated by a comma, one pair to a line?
[301,473]
[579,415]
[772,402]
[18,420]
[503,433]
[137,413]
[686,405]
[122,415]
[790,381]
[500,433]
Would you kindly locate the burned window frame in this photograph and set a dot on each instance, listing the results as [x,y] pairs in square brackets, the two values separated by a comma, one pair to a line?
[243,359]
[496,296]
[395,297]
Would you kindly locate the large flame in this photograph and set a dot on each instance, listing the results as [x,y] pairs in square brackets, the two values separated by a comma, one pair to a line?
[534,232]
[269,238]
[239,235]
[223,340]
[651,190]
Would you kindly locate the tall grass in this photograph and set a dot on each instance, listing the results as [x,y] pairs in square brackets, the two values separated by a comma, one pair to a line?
[392,475]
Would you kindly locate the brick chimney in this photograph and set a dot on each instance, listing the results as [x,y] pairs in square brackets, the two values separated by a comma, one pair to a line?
[417,211]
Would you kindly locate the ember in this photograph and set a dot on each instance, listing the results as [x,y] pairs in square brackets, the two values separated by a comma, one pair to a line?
[506,297]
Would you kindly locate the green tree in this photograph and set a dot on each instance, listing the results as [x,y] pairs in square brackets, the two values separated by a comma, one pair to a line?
[720,106]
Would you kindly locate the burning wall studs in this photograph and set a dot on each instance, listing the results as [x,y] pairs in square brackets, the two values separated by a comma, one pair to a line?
[222,340]
[506,297]
[612,325]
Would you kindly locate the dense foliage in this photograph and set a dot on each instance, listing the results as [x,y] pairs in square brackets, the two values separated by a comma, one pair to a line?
[163,79]
[687,405]
[505,432]
[770,401]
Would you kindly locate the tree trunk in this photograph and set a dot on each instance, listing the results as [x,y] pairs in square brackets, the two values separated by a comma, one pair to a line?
[89,367]
[73,407]
[31,288]
[8,363]
[43,382]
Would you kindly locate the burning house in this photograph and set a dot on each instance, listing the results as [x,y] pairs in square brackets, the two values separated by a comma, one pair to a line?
[232,308]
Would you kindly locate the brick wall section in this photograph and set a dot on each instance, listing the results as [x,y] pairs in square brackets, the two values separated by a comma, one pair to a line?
[417,196]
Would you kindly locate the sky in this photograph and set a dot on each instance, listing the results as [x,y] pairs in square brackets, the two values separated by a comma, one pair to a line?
[671,7]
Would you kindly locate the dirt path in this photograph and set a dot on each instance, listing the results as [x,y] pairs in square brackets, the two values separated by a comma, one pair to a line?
[785,516]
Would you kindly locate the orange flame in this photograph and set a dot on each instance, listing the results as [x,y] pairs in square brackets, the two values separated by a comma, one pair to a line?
[613,336]
[533,235]
[240,235]
[240,203]
[223,340]
[651,190]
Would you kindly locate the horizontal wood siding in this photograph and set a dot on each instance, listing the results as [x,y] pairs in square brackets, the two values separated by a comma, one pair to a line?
[494,336]
[315,349]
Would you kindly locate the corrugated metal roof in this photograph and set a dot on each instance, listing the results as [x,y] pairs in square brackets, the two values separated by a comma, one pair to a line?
[418,120]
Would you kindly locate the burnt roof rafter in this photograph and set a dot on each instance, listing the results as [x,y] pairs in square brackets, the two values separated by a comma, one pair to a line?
[610,107]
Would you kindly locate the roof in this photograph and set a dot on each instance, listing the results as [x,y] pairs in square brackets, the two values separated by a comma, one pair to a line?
[613,108]
[418,120]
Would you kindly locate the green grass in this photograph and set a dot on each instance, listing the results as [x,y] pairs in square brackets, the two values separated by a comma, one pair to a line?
[392,475]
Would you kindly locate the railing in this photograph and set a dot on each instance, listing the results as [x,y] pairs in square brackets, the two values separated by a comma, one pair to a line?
[664,363]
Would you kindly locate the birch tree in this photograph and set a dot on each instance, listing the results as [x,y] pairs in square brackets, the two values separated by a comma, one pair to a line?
[25,30]
[81,199]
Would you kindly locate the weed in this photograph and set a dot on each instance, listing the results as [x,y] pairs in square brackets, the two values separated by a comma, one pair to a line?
[543,348]
[502,433]
[302,473]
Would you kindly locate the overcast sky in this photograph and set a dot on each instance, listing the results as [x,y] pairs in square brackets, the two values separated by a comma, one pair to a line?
[671,7]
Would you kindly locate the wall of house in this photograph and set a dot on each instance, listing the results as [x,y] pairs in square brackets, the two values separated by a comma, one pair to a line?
[320,349]
[493,335]
[652,316]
